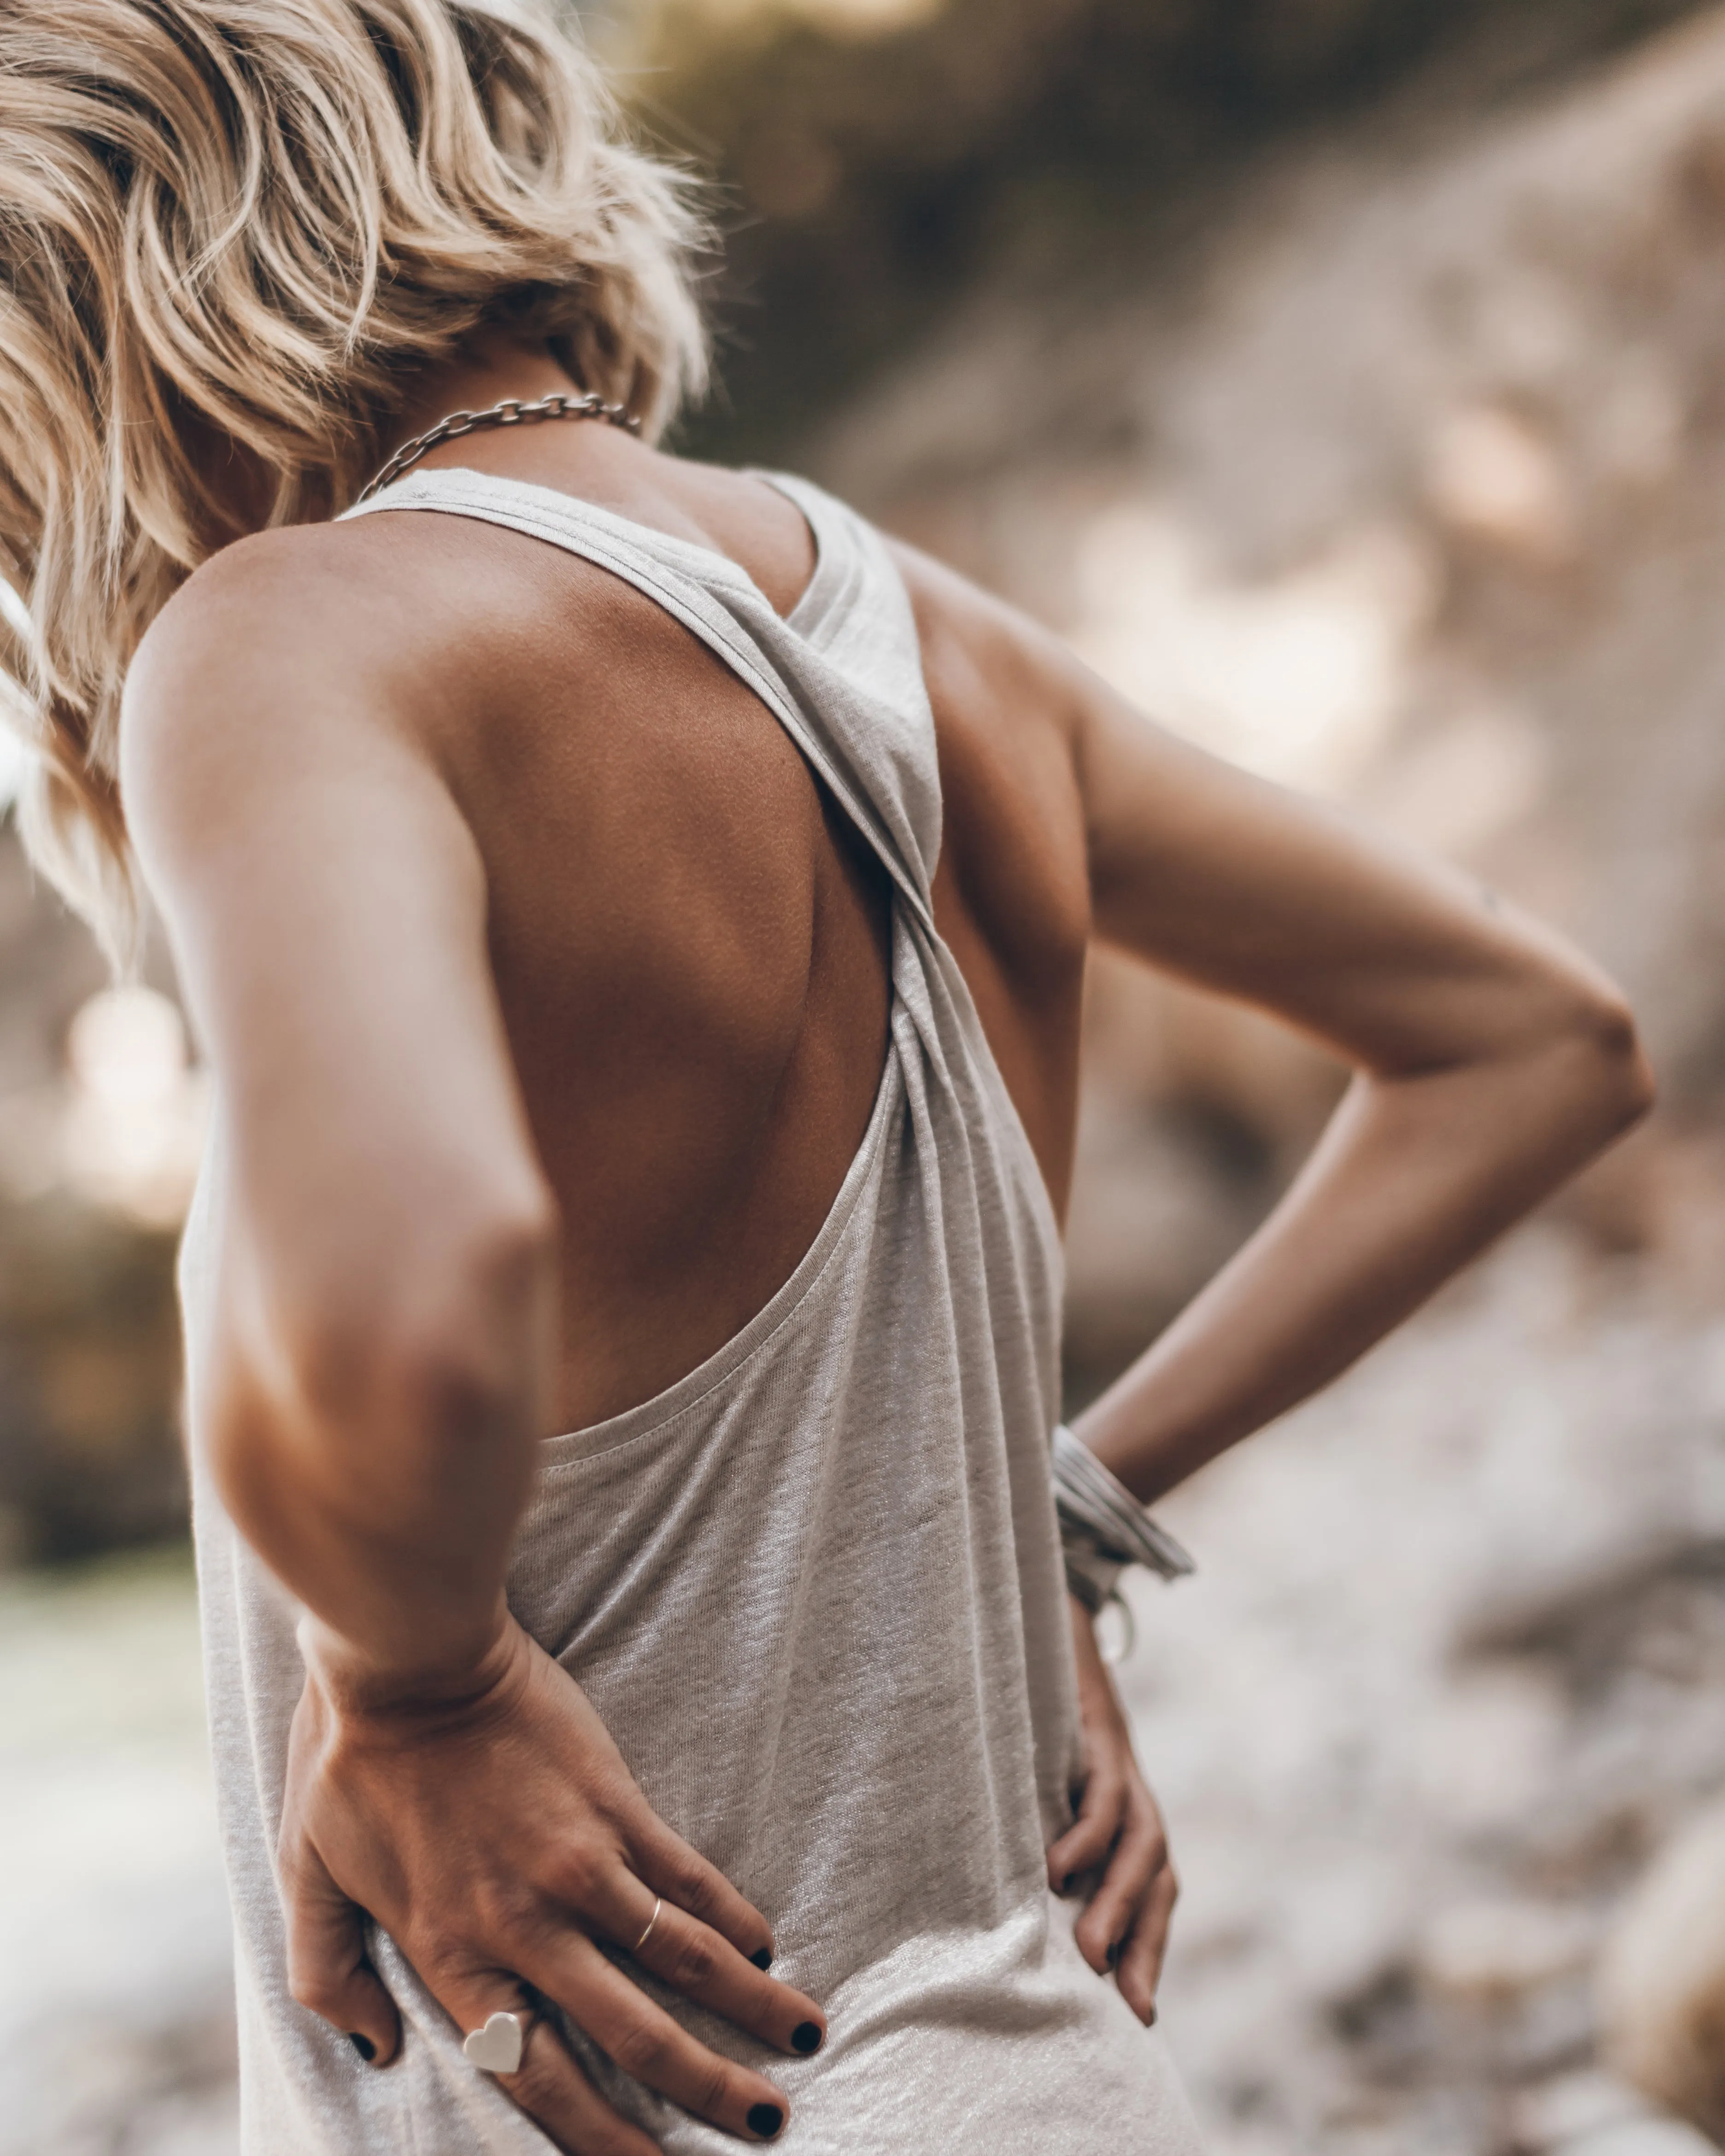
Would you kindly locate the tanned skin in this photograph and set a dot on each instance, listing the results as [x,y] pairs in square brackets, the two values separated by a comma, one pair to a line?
[547,996]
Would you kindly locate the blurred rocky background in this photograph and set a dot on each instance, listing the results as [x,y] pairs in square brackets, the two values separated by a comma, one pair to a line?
[1346,379]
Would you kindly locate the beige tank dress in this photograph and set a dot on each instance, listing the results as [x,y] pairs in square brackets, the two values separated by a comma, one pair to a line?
[815,1589]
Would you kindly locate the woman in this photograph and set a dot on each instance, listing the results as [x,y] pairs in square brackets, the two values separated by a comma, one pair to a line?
[636,918]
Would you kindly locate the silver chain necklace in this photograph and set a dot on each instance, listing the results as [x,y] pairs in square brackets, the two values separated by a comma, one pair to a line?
[512,411]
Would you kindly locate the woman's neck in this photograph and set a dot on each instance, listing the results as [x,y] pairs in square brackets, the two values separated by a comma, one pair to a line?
[489,366]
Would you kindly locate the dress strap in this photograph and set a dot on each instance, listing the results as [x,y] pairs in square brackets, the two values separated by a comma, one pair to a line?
[841,674]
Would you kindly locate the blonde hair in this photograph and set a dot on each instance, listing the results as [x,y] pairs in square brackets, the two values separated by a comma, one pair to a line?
[256,220]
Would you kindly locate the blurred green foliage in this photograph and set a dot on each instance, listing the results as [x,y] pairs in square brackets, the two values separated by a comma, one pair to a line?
[90,1382]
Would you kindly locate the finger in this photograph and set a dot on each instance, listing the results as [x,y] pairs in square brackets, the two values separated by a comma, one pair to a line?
[1085,1844]
[553,2091]
[328,1970]
[1140,1854]
[642,2039]
[700,1963]
[549,2085]
[1139,1969]
[683,1876]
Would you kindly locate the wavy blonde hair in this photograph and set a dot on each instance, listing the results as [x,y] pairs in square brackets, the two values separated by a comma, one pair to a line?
[257,220]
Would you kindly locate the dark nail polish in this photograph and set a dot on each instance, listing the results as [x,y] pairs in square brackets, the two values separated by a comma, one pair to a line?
[363,2045]
[805,2037]
[1114,1955]
[765,2119]
[1151,2022]
[763,1960]
[1069,1882]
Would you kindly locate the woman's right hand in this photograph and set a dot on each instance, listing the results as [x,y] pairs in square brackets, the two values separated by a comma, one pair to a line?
[496,1834]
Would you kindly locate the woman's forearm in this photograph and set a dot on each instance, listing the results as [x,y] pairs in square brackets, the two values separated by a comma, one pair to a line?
[1415,1175]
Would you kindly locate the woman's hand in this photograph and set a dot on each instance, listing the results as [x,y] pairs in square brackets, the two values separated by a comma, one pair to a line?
[497,1837]
[1116,1852]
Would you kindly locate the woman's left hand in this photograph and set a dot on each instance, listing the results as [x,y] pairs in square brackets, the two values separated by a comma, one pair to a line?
[1115,1853]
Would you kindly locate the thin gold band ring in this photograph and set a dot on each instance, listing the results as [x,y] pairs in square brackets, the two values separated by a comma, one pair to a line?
[657,1904]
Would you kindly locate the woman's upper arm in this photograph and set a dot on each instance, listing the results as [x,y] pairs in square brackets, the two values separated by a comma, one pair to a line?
[327,906]
[1395,960]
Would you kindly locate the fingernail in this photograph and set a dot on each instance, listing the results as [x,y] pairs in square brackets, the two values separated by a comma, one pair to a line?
[1114,1955]
[1069,1882]
[763,1960]
[363,2045]
[805,2037]
[765,2119]
[1151,2022]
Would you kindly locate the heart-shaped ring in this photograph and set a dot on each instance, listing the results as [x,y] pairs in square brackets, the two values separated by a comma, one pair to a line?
[497,2048]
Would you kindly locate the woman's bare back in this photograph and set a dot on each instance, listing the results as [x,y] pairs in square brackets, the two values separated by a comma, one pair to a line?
[688,944]
[689,940]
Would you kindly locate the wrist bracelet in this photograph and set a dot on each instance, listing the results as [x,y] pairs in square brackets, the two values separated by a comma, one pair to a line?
[1103,1527]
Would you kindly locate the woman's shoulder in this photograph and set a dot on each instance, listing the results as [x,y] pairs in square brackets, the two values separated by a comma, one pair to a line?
[309,591]
[307,648]
[286,626]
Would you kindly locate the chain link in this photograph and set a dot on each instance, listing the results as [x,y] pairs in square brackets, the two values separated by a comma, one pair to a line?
[509,412]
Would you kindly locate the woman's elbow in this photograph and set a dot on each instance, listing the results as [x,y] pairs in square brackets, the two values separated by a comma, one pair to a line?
[1613,1082]
[454,1339]
[435,1347]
